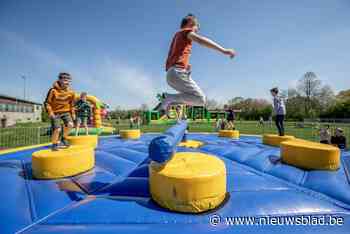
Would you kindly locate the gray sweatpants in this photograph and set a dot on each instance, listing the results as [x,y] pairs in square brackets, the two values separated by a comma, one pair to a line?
[189,92]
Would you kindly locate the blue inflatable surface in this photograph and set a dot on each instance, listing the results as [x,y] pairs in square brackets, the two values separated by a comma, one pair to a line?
[264,195]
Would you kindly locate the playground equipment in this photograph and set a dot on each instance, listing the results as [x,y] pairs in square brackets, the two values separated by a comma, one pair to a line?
[114,196]
[191,144]
[229,133]
[187,181]
[89,140]
[276,140]
[98,112]
[47,164]
[310,155]
[193,113]
[130,134]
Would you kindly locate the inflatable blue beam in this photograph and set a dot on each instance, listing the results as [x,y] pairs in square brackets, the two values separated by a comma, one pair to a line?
[162,148]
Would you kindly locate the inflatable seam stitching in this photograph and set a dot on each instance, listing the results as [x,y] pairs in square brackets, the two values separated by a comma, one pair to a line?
[31,203]
[313,193]
[304,177]
[346,170]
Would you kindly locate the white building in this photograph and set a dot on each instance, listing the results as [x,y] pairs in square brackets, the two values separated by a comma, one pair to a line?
[14,110]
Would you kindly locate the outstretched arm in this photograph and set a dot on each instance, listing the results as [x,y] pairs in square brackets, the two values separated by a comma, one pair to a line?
[204,41]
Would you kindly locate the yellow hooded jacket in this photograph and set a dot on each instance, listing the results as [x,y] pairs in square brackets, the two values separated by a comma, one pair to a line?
[59,100]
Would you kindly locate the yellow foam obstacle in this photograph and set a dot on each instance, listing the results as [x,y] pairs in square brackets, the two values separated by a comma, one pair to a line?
[229,133]
[276,140]
[130,134]
[88,140]
[310,155]
[191,144]
[48,164]
[189,182]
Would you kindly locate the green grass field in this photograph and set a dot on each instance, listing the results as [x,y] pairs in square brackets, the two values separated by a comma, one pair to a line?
[308,131]
[28,134]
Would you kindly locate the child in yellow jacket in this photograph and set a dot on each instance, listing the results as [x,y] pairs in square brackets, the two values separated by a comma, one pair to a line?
[59,104]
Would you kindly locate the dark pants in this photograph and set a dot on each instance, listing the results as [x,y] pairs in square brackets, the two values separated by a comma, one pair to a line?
[279,124]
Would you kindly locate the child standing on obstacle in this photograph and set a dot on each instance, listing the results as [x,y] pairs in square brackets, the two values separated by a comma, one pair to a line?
[59,104]
[178,67]
[83,113]
[230,119]
[279,110]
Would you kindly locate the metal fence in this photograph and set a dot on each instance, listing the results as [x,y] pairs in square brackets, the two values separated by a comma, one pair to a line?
[24,136]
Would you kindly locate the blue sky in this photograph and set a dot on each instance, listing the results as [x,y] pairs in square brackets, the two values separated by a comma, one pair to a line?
[116,49]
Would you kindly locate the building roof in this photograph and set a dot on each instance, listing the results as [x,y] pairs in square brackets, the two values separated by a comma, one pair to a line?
[2,96]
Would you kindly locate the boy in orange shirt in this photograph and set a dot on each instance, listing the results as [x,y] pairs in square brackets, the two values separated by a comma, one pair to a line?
[59,104]
[178,67]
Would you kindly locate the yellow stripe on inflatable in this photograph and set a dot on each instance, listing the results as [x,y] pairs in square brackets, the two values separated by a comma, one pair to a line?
[89,140]
[48,164]
[191,144]
[229,133]
[107,129]
[310,155]
[190,182]
[276,140]
[17,149]
[130,134]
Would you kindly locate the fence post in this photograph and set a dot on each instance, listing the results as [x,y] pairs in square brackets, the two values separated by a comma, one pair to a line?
[38,135]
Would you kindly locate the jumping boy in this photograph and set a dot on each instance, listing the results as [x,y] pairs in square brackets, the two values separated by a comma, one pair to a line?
[83,113]
[178,67]
[59,104]
[279,110]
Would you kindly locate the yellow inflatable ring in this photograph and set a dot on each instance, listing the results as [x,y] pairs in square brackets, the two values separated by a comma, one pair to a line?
[48,164]
[310,155]
[190,182]
[229,133]
[276,140]
[191,144]
[88,140]
[130,134]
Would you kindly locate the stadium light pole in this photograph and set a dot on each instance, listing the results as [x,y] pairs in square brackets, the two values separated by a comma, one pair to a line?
[24,86]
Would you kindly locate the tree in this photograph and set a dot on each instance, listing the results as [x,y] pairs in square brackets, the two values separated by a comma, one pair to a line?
[341,108]
[343,95]
[309,86]
[292,92]
[235,100]
[251,109]
[212,104]
[44,116]
[326,98]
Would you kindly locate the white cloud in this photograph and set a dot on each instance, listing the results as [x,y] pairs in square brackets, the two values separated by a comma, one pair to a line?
[120,84]
[292,83]
[111,80]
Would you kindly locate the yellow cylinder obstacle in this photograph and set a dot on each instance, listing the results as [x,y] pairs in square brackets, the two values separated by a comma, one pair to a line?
[310,155]
[48,164]
[229,133]
[189,182]
[130,134]
[89,140]
[276,140]
[191,144]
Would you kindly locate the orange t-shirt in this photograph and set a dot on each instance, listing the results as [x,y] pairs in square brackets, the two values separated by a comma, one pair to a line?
[180,50]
